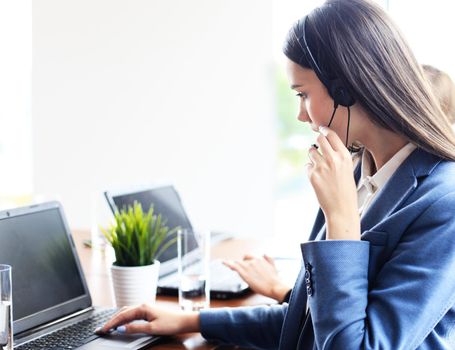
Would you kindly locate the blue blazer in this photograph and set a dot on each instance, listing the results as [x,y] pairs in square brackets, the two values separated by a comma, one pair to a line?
[393,289]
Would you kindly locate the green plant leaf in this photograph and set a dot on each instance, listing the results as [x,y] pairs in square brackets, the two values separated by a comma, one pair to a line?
[137,237]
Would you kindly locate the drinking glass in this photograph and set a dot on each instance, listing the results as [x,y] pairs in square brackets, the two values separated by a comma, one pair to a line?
[193,251]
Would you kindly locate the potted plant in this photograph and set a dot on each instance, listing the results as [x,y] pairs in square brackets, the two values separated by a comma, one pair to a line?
[138,238]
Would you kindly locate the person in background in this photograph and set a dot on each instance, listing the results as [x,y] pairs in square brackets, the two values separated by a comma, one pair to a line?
[261,273]
[443,88]
[378,266]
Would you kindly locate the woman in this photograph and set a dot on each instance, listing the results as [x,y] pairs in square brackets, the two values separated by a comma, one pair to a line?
[261,273]
[378,269]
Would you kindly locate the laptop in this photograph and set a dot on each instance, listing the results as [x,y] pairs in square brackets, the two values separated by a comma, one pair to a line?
[52,307]
[224,283]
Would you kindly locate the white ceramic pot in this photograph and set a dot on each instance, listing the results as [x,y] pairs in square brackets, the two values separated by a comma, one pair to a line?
[135,284]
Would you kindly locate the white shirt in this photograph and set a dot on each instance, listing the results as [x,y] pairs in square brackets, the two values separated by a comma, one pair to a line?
[370,185]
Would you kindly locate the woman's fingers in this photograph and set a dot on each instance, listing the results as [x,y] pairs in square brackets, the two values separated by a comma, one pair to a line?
[315,156]
[330,147]
[324,146]
[124,316]
[269,259]
[135,327]
[230,264]
[235,266]
[333,139]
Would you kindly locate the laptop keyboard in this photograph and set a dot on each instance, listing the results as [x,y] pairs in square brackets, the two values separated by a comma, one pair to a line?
[221,277]
[72,336]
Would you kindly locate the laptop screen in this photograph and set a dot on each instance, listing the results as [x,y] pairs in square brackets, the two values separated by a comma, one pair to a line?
[45,274]
[165,201]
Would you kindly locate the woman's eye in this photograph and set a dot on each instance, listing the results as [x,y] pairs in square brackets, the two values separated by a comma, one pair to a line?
[301,95]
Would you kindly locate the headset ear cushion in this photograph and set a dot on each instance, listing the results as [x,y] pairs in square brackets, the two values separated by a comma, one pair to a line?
[340,94]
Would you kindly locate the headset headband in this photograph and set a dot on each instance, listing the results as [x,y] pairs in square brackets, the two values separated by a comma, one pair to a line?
[311,60]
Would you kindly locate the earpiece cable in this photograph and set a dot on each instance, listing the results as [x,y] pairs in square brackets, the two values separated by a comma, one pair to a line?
[350,148]
[333,114]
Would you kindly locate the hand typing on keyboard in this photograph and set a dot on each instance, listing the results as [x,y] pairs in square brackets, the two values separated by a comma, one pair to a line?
[261,275]
[158,321]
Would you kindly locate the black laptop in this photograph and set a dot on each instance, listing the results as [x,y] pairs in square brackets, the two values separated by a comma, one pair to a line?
[52,307]
[224,283]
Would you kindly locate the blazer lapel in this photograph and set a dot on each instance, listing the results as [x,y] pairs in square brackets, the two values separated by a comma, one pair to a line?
[402,183]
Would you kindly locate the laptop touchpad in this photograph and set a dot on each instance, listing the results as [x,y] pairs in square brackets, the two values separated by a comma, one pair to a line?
[133,341]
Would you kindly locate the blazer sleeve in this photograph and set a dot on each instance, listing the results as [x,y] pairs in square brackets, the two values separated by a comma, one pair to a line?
[257,327]
[411,293]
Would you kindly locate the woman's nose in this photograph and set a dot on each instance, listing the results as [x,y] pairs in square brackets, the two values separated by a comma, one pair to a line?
[303,115]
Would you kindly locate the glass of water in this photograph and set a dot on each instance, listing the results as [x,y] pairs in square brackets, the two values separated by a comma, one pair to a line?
[193,251]
[6,311]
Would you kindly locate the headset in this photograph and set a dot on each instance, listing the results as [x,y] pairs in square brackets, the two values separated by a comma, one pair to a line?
[339,93]
[337,90]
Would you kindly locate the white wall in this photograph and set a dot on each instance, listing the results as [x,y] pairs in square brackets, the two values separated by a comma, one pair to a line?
[136,91]
[15,100]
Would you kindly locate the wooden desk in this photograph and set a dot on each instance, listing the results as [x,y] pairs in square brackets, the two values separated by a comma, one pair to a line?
[96,265]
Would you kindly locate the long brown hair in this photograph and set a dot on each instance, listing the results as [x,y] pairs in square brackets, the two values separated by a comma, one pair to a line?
[357,42]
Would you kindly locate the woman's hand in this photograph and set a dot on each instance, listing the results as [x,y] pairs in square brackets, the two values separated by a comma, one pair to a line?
[331,175]
[261,275]
[159,321]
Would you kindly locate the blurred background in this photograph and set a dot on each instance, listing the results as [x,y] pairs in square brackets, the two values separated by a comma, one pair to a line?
[102,94]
